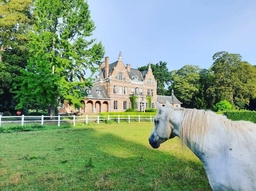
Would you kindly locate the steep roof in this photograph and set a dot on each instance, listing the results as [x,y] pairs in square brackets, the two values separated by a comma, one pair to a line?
[97,92]
[135,73]
[110,69]
[171,99]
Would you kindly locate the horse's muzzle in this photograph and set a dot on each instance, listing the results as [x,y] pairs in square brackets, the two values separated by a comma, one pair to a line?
[155,141]
[154,144]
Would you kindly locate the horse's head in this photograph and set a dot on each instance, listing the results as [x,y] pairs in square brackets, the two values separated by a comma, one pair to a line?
[163,126]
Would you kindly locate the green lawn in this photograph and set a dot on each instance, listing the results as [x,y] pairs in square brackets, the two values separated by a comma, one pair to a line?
[97,157]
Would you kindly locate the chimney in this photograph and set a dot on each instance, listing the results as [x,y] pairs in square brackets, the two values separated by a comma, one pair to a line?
[106,66]
[128,67]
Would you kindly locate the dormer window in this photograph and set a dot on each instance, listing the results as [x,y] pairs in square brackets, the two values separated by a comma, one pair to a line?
[88,91]
[135,77]
[98,92]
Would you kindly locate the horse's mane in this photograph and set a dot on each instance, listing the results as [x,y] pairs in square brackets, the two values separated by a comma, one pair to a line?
[195,123]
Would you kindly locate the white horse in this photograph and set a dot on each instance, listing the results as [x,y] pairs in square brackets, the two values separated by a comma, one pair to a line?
[226,148]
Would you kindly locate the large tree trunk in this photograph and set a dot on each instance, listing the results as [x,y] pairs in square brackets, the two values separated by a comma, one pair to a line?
[52,110]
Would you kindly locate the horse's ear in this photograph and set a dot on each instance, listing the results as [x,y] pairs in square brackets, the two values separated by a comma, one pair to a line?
[167,104]
[158,105]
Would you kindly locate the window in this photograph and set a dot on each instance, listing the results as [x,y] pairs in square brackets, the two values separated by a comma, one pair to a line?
[120,77]
[150,81]
[148,92]
[153,105]
[125,105]
[137,91]
[114,89]
[98,92]
[120,90]
[88,91]
[132,90]
[140,91]
[125,90]
[115,105]
[152,92]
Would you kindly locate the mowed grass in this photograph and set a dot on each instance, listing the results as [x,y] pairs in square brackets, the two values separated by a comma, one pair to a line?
[97,157]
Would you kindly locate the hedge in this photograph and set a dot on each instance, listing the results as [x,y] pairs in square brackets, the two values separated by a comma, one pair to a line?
[241,115]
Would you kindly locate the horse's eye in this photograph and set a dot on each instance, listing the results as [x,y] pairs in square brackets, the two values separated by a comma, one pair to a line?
[156,121]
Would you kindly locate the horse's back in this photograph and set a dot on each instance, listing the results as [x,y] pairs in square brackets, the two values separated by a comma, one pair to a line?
[230,157]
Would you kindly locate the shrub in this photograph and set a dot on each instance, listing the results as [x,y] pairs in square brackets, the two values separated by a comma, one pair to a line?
[223,106]
[129,110]
[150,110]
[7,113]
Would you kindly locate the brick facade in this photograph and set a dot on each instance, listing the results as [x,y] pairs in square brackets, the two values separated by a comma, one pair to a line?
[115,84]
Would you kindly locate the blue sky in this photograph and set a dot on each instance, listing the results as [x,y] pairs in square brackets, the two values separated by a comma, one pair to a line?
[179,32]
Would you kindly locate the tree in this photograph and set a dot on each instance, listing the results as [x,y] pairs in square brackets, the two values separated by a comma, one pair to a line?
[234,80]
[223,69]
[205,81]
[162,75]
[63,51]
[15,19]
[186,85]
[15,22]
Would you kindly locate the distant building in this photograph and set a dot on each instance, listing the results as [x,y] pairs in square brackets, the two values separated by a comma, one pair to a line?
[114,86]
[171,99]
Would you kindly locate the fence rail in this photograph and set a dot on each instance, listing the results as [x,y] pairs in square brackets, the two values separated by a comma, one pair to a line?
[22,120]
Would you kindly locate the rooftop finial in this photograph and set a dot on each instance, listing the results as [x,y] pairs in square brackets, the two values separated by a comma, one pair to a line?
[120,58]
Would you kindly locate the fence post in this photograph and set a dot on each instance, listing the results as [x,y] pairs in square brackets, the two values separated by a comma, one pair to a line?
[118,119]
[150,118]
[108,117]
[98,119]
[22,120]
[139,118]
[58,120]
[128,118]
[74,120]
[86,119]
[0,120]
[42,120]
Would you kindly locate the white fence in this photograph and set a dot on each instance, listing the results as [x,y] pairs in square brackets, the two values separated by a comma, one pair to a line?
[22,120]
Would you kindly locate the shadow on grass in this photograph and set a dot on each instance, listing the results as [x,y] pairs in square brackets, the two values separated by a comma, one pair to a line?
[84,159]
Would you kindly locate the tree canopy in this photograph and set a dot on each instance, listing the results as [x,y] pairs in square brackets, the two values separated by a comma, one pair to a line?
[15,22]
[162,75]
[186,84]
[233,79]
[62,51]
